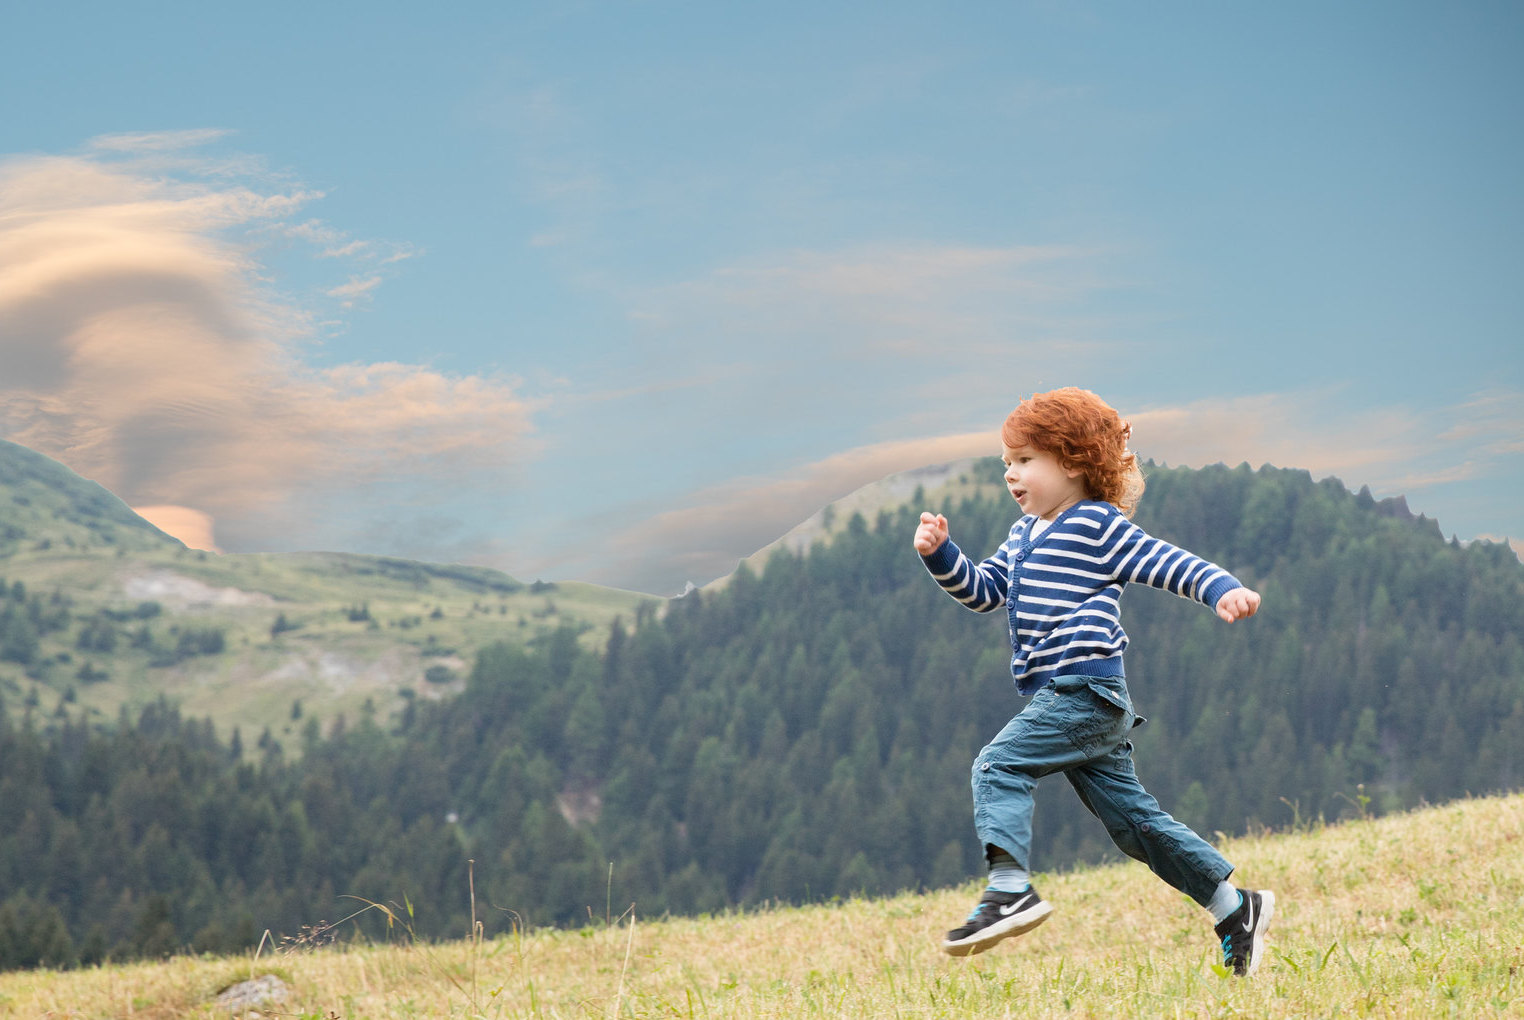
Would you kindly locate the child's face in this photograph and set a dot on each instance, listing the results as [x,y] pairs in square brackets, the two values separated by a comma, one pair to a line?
[1040,483]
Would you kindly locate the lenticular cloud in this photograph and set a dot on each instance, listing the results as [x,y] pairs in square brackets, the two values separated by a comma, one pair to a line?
[140,345]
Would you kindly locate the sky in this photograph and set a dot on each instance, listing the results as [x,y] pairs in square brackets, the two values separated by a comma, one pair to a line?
[620,292]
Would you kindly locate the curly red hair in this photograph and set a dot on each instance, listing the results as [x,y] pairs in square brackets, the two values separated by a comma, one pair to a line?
[1084,433]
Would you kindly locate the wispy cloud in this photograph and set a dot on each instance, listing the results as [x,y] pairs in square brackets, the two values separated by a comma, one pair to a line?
[857,335]
[157,141]
[896,298]
[1492,420]
[139,346]
[1395,450]
[718,526]
[331,243]
[357,287]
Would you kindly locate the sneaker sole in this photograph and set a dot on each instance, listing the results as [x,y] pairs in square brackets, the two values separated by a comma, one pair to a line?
[1256,947]
[1016,924]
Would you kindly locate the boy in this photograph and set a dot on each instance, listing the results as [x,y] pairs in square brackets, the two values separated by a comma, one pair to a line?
[1059,576]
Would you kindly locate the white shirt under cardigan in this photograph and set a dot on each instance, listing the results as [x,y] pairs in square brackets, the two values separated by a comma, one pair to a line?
[1061,587]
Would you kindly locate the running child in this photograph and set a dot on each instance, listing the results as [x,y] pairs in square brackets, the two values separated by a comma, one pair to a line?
[1059,577]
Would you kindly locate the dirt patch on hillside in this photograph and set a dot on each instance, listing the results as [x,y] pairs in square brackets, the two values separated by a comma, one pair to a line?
[180,591]
[336,673]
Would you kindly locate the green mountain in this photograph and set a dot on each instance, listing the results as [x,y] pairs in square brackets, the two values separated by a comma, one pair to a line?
[103,611]
[802,732]
[46,505]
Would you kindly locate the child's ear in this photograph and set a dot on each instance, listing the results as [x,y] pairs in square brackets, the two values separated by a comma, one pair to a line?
[1073,472]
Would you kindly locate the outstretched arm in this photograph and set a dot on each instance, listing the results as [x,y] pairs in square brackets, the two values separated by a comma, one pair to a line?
[1142,559]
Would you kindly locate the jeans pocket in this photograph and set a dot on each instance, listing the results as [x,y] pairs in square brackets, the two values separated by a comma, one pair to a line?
[1097,724]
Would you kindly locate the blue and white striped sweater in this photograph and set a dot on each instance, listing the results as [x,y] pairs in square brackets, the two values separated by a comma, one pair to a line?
[1062,589]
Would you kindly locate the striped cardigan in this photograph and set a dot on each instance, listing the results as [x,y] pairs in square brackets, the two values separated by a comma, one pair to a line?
[1062,591]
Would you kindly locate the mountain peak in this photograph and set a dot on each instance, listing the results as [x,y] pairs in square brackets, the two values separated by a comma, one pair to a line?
[45,504]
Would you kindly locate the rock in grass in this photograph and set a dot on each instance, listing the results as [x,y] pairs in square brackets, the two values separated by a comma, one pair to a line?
[257,993]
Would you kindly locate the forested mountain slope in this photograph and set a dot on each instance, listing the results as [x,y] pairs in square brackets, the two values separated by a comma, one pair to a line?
[804,732]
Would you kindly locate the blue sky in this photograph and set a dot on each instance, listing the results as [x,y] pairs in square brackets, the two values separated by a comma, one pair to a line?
[620,292]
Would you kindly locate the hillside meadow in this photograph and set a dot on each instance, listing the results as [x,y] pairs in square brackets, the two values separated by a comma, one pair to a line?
[1411,915]
[102,612]
[299,636]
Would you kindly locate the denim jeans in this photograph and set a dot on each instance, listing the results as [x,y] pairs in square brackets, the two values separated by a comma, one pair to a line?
[1078,726]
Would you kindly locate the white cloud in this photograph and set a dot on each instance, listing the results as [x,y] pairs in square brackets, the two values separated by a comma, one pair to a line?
[357,287]
[139,347]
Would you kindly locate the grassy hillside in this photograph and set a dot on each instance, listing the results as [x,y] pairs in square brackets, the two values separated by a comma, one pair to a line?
[44,504]
[332,632]
[121,613]
[1413,915]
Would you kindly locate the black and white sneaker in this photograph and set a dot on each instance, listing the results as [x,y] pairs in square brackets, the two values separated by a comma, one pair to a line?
[1243,931]
[998,915]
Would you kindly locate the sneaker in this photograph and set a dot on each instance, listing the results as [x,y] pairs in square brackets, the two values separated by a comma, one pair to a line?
[998,915]
[1243,932]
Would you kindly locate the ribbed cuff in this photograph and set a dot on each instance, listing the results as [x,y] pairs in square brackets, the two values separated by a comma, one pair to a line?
[1220,587]
[943,558]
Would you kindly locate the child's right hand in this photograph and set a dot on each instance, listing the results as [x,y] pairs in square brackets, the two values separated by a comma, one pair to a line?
[1238,604]
[930,534]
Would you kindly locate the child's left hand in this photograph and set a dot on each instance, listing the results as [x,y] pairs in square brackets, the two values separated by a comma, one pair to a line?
[1238,604]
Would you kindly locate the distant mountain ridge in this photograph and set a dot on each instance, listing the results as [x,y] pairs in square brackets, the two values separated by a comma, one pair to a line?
[101,608]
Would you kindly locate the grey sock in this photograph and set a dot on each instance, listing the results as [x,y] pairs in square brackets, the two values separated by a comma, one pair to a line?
[1224,901]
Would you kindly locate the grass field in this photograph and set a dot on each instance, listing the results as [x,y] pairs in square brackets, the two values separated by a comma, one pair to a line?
[1415,915]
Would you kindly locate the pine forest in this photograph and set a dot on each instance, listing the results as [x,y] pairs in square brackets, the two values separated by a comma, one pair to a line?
[801,732]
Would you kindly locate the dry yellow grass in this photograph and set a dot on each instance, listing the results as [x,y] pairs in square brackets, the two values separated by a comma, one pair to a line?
[1418,915]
